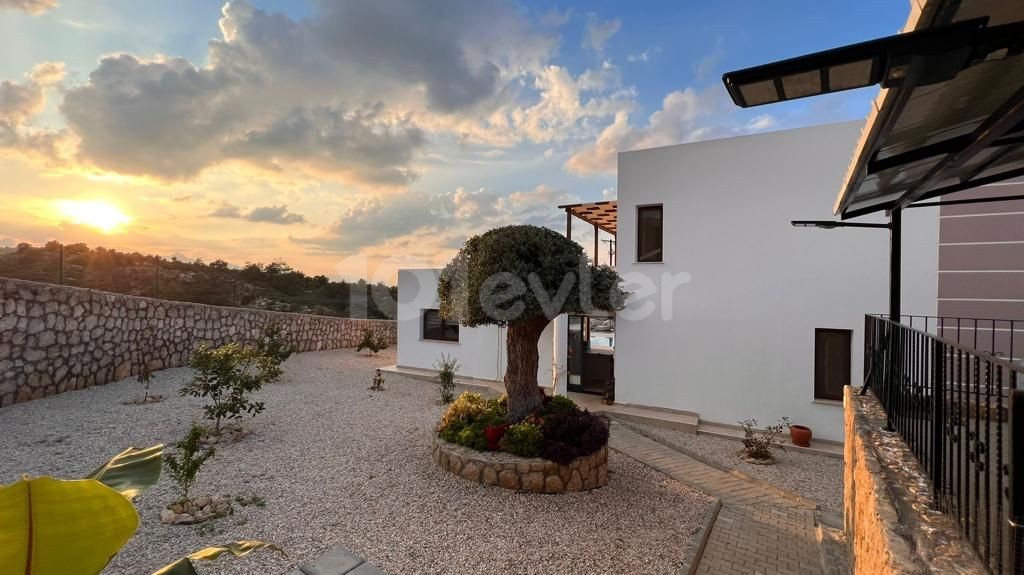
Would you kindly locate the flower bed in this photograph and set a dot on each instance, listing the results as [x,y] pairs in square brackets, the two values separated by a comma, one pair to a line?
[523,473]
[558,448]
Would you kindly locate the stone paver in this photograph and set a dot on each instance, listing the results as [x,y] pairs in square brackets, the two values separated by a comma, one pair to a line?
[337,561]
[759,531]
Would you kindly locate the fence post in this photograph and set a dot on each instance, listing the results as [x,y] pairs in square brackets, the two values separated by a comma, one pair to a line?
[938,416]
[1016,487]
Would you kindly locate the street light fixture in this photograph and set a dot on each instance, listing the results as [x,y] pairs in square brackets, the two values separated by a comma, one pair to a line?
[918,58]
[832,224]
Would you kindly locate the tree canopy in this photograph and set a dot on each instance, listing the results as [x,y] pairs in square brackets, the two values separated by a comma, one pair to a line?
[516,273]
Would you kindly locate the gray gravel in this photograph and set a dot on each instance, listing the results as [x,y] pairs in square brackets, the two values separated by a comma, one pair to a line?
[815,477]
[339,465]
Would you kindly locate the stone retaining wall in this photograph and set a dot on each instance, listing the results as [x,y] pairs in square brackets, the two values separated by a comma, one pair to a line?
[520,473]
[56,338]
[891,525]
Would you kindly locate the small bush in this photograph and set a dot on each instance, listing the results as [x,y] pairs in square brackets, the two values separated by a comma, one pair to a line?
[189,456]
[466,420]
[273,345]
[372,342]
[758,444]
[446,368]
[523,439]
[571,434]
[226,376]
[559,404]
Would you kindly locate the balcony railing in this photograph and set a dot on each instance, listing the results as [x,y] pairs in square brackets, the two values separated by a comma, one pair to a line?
[951,403]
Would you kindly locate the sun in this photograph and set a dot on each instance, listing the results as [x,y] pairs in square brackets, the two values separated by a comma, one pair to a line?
[99,214]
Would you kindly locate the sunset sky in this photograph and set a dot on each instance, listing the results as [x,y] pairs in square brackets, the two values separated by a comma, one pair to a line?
[353,138]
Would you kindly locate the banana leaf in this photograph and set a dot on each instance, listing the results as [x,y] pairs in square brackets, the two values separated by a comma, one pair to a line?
[238,549]
[59,527]
[132,471]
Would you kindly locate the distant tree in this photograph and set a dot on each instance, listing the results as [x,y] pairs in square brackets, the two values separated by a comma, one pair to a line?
[219,264]
[523,277]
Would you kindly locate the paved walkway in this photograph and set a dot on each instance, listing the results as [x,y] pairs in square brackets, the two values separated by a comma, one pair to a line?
[759,530]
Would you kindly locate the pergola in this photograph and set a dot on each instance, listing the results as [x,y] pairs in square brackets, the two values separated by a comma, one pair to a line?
[601,215]
[949,116]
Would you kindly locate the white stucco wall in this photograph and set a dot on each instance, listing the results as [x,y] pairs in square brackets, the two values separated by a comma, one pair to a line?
[480,350]
[737,340]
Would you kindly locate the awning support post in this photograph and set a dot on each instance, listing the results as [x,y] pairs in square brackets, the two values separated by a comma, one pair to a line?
[895,261]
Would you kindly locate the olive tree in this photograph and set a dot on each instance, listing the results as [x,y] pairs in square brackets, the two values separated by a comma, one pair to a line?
[522,277]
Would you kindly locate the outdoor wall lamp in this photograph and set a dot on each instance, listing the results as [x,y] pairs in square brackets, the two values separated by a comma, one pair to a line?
[920,58]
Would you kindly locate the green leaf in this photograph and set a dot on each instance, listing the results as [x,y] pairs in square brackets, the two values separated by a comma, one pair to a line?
[54,527]
[132,471]
[238,549]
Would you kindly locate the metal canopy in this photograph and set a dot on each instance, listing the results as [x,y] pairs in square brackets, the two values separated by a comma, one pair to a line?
[604,215]
[925,141]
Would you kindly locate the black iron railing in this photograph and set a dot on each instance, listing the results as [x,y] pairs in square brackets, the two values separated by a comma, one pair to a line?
[951,403]
[1003,338]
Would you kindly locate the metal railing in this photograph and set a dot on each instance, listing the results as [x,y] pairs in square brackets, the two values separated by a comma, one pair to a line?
[1003,338]
[951,403]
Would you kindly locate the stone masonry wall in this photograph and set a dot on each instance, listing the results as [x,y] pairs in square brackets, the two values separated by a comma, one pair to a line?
[521,473]
[891,525]
[57,338]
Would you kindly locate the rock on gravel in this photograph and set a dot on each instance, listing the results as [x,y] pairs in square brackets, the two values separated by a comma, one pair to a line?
[340,465]
[816,477]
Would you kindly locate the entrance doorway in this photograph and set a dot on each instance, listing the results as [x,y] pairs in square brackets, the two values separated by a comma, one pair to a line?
[591,354]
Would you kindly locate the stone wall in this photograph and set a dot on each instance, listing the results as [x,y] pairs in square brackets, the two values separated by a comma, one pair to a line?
[57,338]
[520,473]
[891,525]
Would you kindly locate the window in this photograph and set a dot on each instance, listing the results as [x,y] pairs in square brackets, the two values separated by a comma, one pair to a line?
[434,327]
[648,233]
[831,362]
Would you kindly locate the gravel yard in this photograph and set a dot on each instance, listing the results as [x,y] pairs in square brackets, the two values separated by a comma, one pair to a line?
[816,477]
[339,465]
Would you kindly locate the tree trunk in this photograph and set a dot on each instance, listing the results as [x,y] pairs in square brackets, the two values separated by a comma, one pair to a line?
[521,375]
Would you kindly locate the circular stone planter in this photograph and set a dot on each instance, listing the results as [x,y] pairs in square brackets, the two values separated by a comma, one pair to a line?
[523,473]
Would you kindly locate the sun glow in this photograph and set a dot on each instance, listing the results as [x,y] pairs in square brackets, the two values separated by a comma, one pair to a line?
[99,214]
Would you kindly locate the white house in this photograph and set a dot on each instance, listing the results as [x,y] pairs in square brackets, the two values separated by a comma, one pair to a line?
[735,313]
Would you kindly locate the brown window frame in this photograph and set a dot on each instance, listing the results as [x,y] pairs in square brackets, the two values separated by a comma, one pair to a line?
[440,332]
[820,394]
[660,251]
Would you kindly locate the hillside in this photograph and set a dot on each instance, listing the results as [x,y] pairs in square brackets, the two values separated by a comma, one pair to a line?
[274,286]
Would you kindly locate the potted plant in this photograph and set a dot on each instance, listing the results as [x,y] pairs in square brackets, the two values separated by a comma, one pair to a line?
[800,435]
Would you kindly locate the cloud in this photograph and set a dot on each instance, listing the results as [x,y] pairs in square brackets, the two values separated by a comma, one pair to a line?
[350,92]
[554,18]
[685,116]
[707,64]
[266,214]
[29,6]
[440,221]
[168,119]
[48,73]
[330,140]
[163,118]
[20,103]
[598,32]
[639,57]
[275,215]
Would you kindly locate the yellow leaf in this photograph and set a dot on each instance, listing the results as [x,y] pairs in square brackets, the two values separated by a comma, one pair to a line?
[57,527]
[237,548]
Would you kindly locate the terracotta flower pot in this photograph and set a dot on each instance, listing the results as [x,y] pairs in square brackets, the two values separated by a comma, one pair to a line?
[493,435]
[800,435]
